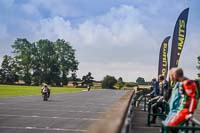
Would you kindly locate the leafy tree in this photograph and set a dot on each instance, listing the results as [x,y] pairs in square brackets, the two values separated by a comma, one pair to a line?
[120,82]
[140,80]
[24,58]
[46,54]
[43,61]
[56,60]
[74,79]
[37,71]
[198,67]
[66,56]
[8,70]
[109,82]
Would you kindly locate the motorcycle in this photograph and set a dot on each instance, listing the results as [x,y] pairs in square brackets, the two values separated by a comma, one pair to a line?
[88,87]
[45,96]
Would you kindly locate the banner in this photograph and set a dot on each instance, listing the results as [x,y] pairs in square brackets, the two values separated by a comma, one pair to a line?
[179,38]
[163,60]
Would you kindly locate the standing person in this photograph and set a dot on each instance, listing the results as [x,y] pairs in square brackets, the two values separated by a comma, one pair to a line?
[177,76]
[188,103]
[163,86]
[155,90]
[159,104]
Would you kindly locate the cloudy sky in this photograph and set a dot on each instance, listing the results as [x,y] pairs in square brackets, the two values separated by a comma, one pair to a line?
[116,37]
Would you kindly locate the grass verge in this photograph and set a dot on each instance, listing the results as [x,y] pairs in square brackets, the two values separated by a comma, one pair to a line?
[17,90]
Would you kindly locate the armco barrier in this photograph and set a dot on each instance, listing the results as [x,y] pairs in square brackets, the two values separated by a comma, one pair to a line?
[190,126]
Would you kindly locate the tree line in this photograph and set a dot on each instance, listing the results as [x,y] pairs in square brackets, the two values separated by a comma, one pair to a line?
[110,82]
[43,61]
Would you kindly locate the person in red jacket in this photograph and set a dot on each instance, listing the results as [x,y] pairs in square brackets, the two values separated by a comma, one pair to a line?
[188,102]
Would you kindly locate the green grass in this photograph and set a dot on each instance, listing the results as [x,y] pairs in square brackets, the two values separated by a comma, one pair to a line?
[17,90]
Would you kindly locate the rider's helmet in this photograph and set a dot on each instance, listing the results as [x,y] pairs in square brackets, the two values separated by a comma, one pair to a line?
[153,79]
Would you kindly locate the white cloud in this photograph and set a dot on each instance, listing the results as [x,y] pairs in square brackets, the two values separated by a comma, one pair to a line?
[103,39]
[116,42]
[122,42]
[53,28]
[120,26]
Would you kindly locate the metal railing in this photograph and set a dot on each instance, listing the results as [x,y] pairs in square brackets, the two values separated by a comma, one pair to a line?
[127,127]
[189,126]
[141,97]
[136,99]
[162,115]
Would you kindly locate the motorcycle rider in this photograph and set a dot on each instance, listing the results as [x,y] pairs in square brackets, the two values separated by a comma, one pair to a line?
[46,89]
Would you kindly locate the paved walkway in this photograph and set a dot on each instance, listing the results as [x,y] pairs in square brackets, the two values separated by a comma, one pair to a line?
[140,121]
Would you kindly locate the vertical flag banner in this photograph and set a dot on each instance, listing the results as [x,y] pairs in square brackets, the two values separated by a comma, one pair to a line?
[163,60]
[179,38]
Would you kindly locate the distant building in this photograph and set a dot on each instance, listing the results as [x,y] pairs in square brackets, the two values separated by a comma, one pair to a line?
[20,82]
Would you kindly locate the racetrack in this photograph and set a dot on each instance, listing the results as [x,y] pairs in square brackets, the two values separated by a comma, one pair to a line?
[63,113]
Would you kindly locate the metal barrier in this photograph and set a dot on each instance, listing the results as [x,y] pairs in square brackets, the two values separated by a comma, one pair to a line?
[161,115]
[128,121]
[137,97]
[190,126]
[141,97]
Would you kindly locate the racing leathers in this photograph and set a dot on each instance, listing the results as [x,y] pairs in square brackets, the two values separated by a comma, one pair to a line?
[188,102]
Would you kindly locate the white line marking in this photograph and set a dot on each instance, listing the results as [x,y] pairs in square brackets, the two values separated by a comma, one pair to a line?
[98,104]
[60,93]
[29,127]
[67,106]
[90,119]
[45,128]
[35,116]
[63,110]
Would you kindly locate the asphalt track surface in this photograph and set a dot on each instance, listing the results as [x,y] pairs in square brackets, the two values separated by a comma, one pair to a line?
[63,113]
